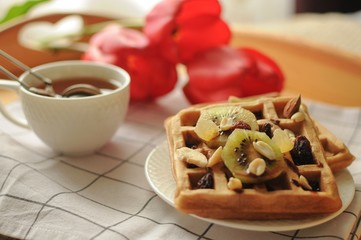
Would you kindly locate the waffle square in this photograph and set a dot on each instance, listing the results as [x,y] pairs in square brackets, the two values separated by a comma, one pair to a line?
[299,190]
[337,154]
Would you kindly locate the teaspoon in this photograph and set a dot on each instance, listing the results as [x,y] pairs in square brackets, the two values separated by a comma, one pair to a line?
[79,90]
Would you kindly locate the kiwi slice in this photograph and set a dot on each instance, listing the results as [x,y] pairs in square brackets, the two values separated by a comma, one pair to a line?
[227,118]
[240,151]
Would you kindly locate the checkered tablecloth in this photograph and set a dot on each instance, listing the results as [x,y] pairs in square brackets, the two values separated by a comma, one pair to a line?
[106,195]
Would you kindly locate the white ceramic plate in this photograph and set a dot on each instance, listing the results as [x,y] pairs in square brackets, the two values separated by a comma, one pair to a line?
[159,176]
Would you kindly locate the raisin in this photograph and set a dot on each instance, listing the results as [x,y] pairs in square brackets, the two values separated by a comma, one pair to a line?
[206,181]
[267,129]
[259,115]
[302,151]
[239,124]
[242,125]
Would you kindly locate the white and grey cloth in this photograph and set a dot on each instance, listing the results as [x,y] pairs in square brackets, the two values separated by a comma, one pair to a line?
[106,195]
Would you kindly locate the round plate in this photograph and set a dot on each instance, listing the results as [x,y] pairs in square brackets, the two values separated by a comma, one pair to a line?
[159,175]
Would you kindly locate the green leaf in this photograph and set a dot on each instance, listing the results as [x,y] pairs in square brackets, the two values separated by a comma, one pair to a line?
[18,10]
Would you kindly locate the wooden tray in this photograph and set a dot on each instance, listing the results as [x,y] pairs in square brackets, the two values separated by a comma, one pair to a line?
[9,43]
[316,71]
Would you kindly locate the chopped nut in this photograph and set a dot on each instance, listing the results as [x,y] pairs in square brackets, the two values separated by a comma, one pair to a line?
[292,107]
[304,183]
[206,129]
[298,116]
[215,158]
[192,156]
[257,167]
[234,184]
[226,123]
[264,149]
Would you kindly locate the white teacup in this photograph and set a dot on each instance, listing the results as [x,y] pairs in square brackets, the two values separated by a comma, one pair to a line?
[73,126]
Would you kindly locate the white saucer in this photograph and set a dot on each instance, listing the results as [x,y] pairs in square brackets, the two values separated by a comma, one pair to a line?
[159,176]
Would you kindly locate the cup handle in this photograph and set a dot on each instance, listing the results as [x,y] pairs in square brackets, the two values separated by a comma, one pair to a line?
[12,85]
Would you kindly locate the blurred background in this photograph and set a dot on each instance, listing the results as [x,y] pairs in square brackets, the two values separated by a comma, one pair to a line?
[321,36]
[314,20]
[235,11]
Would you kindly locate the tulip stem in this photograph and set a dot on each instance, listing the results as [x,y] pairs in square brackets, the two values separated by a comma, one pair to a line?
[76,46]
[135,23]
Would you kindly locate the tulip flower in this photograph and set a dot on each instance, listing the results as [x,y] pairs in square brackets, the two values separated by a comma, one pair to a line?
[218,73]
[192,33]
[183,28]
[151,74]
[268,76]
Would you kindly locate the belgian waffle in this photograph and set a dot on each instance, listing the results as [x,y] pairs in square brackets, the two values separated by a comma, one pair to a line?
[284,197]
[337,154]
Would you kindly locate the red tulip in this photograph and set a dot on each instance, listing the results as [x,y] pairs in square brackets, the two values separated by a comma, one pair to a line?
[151,74]
[218,73]
[267,78]
[183,28]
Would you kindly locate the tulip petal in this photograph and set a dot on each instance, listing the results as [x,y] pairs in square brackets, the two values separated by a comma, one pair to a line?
[151,74]
[221,72]
[198,9]
[192,39]
[268,78]
[185,28]
[218,68]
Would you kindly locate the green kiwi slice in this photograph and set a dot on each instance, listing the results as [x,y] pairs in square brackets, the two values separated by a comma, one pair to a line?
[228,118]
[239,152]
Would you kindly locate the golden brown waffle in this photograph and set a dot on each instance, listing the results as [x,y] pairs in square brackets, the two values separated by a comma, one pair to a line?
[337,154]
[284,197]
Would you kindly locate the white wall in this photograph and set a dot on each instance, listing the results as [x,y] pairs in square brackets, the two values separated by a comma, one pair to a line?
[256,11]
[246,11]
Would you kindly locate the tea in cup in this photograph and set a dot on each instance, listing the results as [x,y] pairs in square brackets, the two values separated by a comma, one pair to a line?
[75,125]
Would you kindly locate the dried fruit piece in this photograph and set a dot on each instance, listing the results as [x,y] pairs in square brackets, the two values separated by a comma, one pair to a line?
[302,151]
[192,156]
[206,129]
[267,128]
[292,106]
[206,181]
[282,140]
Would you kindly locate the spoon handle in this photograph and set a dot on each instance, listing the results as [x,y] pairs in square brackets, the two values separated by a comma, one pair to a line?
[24,67]
[12,76]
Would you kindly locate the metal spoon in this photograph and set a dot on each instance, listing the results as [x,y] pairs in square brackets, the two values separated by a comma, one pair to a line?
[79,90]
